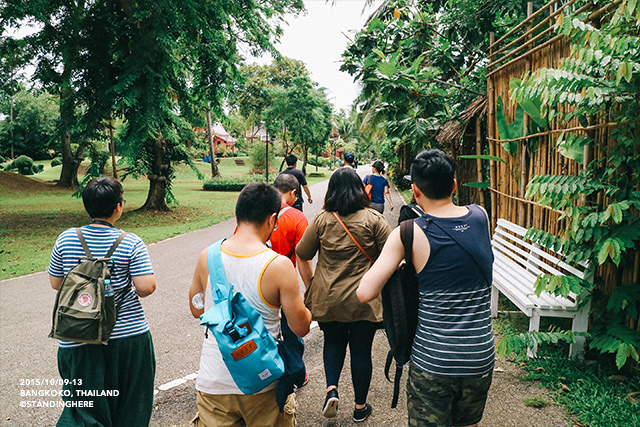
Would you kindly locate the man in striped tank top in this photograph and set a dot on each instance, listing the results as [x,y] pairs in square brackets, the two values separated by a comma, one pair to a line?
[453,350]
[269,283]
[108,385]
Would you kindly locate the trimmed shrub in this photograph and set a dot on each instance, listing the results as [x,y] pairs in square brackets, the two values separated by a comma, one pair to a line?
[230,183]
[24,164]
[316,174]
[56,162]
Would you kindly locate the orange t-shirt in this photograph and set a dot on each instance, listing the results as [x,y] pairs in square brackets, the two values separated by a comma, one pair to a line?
[291,226]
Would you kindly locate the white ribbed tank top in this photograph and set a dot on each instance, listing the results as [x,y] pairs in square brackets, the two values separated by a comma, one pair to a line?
[245,273]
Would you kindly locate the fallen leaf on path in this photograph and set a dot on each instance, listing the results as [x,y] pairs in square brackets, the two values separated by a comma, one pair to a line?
[498,370]
[523,364]
[539,369]
[564,387]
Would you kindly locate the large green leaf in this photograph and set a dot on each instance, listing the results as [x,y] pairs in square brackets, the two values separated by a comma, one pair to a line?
[484,184]
[387,68]
[501,121]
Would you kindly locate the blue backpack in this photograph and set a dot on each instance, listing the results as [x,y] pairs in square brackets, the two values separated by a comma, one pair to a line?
[248,349]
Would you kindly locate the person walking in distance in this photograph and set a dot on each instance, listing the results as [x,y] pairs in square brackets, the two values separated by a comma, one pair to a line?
[269,282]
[349,158]
[379,187]
[348,235]
[453,350]
[116,379]
[291,161]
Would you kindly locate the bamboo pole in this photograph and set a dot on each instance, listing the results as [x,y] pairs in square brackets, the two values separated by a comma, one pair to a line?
[550,132]
[491,122]
[527,34]
[520,25]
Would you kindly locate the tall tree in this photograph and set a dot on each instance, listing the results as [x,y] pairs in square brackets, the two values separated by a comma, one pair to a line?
[176,51]
[303,110]
[421,63]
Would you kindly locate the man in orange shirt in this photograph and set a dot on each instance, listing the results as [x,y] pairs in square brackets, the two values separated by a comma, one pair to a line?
[291,224]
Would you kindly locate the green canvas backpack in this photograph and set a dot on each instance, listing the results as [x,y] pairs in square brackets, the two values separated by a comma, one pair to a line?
[83,311]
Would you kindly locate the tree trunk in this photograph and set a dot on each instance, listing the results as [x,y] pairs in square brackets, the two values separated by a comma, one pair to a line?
[70,162]
[158,179]
[212,152]
[113,150]
[305,157]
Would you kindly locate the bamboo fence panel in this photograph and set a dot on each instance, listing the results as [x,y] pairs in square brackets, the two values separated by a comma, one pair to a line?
[529,47]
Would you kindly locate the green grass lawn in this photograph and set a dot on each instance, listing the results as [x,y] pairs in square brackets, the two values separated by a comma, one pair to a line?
[33,214]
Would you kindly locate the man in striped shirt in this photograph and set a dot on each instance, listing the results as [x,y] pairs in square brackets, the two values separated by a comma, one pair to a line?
[453,350]
[108,384]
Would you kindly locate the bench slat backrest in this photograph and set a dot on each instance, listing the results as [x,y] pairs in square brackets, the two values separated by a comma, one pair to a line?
[527,260]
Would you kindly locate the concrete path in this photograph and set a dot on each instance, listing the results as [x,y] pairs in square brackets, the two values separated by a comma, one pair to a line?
[28,356]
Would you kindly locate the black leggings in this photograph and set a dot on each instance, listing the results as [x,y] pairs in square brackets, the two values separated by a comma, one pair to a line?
[359,336]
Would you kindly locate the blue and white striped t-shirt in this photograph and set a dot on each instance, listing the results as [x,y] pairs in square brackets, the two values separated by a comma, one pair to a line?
[454,335]
[130,259]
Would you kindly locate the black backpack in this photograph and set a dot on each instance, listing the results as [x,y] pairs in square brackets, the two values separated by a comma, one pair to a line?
[400,311]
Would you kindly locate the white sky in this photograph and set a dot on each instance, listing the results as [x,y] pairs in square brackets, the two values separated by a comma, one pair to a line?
[319,38]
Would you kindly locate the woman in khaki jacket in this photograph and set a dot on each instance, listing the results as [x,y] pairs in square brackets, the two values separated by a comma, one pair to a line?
[331,297]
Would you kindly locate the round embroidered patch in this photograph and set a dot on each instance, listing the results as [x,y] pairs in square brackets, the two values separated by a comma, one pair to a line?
[85,299]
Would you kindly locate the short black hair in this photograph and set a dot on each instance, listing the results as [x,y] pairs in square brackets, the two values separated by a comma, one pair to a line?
[433,172]
[349,157]
[257,202]
[345,193]
[291,159]
[379,166]
[101,196]
[286,182]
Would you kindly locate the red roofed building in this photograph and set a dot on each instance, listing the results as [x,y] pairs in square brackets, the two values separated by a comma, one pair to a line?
[220,136]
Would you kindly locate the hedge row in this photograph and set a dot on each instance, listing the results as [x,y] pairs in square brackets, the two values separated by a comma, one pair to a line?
[230,183]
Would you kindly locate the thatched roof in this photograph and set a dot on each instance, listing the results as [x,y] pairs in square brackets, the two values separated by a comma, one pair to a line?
[453,130]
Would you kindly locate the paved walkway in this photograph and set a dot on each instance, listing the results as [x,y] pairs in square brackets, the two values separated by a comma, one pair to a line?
[27,355]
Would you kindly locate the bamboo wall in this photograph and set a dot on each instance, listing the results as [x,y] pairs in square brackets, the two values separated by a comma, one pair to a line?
[530,46]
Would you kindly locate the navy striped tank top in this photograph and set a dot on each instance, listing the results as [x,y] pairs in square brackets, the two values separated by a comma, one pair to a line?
[454,335]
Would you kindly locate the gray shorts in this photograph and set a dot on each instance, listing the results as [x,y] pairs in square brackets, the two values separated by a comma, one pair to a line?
[445,401]
[377,206]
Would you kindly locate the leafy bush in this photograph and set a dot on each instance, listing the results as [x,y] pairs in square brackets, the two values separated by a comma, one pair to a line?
[56,162]
[25,166]
[257,158]
[2,159]
[316,174]
[230,183]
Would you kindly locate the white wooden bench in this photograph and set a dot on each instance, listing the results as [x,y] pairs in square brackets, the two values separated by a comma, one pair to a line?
[516,266]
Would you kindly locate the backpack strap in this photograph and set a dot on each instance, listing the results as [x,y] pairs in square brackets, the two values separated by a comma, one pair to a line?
[217,276]
[111,250]
[353,238]
[406,236]
[113,247]
[83,242]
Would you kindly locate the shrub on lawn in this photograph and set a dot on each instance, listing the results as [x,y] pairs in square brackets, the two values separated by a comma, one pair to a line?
[56,162]
[316,174]
[25,166]
[230,183]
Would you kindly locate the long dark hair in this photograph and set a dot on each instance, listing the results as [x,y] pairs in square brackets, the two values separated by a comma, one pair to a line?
[345,194]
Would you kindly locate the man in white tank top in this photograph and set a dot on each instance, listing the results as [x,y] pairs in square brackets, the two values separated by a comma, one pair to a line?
[269,282]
